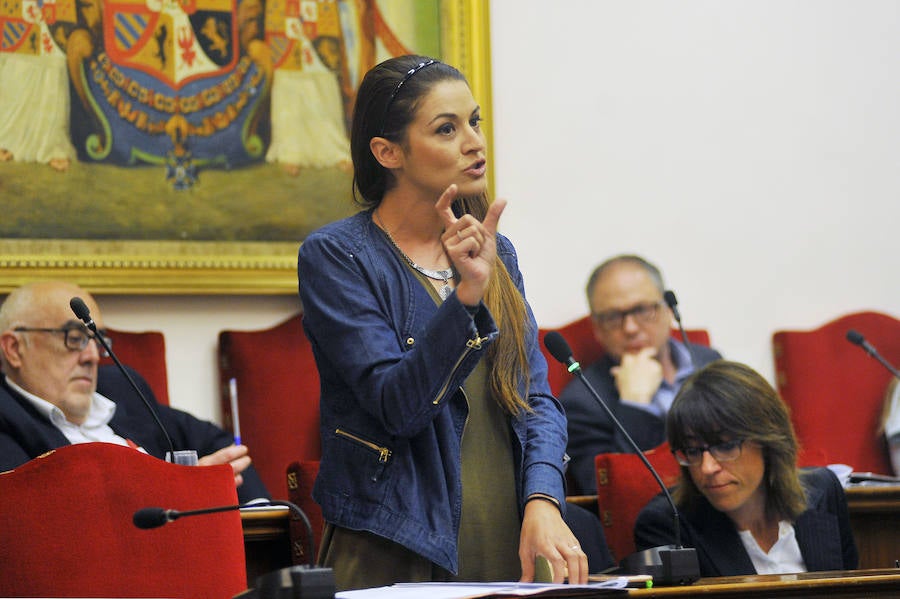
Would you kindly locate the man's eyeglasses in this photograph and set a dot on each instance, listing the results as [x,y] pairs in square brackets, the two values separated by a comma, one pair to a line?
[726,451]
[614,319]
[75,339]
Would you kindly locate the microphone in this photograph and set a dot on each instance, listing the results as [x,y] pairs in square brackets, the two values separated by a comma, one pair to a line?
[304,582]
[856,338]
[154,517]
[668,564]
[84,315]
[672,302]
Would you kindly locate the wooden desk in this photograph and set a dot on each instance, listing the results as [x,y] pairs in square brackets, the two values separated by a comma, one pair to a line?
[267,542]
[267,546]
[854,583]
[874,517]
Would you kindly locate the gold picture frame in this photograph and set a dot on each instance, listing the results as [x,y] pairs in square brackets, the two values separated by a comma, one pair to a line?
[221,267]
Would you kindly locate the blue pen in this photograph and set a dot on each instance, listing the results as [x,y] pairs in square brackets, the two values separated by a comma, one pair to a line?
[235,417]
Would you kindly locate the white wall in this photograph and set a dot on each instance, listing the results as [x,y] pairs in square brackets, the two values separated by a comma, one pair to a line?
[750,148]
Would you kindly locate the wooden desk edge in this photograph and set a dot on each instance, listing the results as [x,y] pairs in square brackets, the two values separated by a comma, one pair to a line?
[264,523]
[784,584]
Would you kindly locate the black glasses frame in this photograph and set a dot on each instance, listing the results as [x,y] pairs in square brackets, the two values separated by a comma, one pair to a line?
[725,451]
[76,342]
[615,319]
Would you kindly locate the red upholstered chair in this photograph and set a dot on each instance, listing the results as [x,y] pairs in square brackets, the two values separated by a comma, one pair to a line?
[301,476]
[835,390]
[66,527]
[146,353]
[624,486]
[587,350]
[278,397]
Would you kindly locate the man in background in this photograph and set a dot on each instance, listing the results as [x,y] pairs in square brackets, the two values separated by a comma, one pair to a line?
[638,376]
[53,393]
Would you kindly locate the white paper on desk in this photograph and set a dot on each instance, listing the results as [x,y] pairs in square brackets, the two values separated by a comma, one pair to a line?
[262,505]
[471,590]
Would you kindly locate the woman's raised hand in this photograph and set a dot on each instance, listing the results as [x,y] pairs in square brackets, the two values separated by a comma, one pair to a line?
[471,245]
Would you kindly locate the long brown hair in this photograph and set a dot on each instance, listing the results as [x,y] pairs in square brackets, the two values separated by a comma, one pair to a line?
[731,400]
[386,104]
[507,355]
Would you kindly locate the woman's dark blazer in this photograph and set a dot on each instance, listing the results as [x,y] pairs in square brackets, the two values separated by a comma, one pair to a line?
[823,530]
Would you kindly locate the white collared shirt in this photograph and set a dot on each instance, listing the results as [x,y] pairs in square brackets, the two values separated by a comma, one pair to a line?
[783,558]
[95,427]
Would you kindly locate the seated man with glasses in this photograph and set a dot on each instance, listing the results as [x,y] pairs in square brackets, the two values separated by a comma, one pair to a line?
[637,377]
[744,505]
[52,392]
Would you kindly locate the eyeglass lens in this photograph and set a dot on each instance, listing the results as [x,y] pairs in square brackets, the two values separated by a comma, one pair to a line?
[614,319]
[78,339]
[722,452]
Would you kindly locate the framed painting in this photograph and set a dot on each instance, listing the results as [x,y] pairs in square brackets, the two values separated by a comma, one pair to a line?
[205,138]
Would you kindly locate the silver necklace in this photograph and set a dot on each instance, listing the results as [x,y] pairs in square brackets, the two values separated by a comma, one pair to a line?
[444,276]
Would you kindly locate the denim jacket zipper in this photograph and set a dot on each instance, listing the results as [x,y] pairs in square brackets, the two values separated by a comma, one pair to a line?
[384,453]
[470,345]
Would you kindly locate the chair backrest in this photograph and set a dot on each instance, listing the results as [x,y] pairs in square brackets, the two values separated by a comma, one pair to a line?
[587,350]
[301,475]
[278,397]
[624,486]
[835,390]
[146,353]
[66,527]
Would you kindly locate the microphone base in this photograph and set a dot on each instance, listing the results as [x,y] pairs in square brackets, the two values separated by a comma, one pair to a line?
[669,565]
[295,582]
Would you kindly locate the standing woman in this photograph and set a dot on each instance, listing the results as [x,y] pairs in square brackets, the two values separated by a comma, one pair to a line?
[442,446]
[744,505]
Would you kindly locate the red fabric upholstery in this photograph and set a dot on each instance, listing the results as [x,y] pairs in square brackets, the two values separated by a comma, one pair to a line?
[836,390]
[587,350]
[66,527]
[278,397]
[300,479]
[624,486]
[146,353]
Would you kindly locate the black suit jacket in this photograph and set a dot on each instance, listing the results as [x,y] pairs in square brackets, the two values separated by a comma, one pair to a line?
[26,434]
[591,431]
[823,530]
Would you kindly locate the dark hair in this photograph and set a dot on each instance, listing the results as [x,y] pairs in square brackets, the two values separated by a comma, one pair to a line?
[386,103]
[729,400]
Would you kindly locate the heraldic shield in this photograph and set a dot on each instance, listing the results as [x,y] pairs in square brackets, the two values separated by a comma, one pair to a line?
[170,82]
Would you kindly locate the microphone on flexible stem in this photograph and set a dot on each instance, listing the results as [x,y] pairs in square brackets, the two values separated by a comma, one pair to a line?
[856,338]
[84,314]
[668,564]
[672,302]
[300,582]
[154,517]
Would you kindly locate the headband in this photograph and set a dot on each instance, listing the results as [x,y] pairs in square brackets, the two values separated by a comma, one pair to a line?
[407,77]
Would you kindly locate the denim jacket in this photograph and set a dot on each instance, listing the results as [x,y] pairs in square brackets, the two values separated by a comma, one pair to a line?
[391,364]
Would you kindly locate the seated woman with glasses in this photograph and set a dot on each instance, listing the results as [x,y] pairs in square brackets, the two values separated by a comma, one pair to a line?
[744,504]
